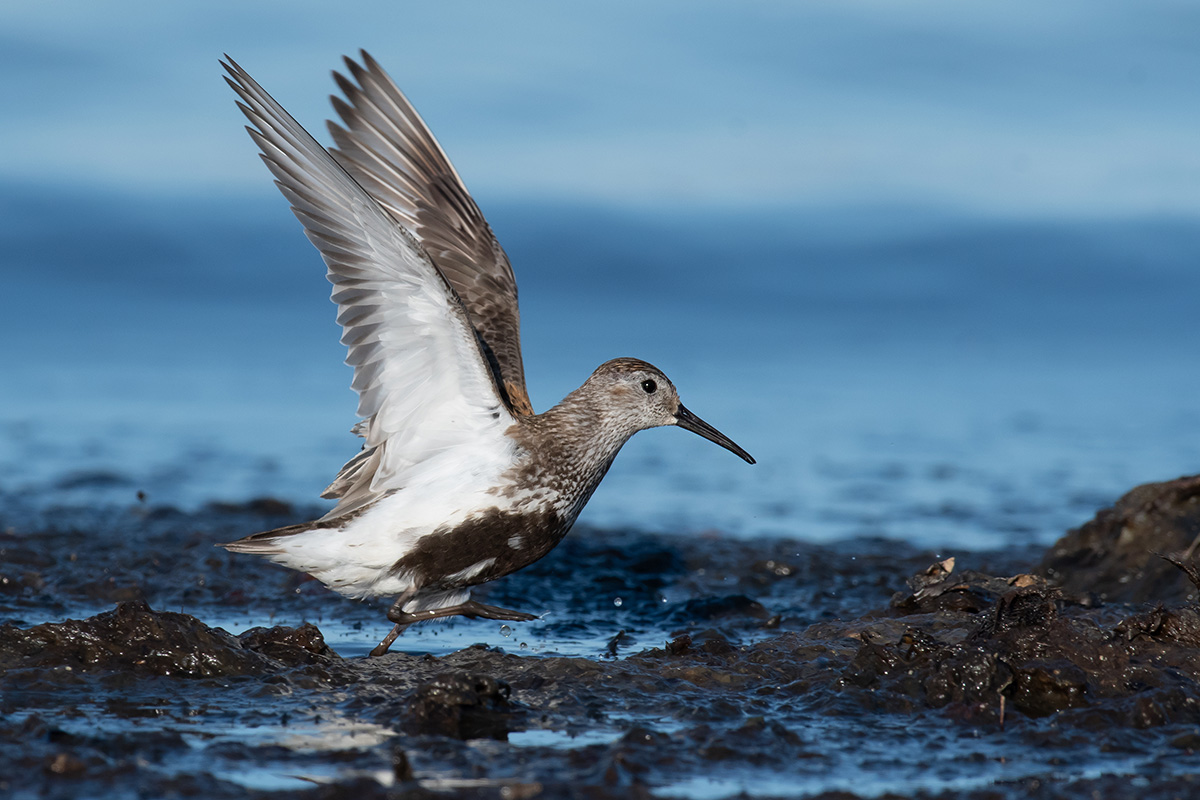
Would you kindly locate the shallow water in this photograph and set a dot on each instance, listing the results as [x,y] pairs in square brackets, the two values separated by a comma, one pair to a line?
[665,666]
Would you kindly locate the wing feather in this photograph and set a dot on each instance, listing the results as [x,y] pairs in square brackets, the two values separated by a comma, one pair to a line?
[426,390]
[390,151]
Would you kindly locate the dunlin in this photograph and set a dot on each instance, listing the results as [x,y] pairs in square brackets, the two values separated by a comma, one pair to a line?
[458,482]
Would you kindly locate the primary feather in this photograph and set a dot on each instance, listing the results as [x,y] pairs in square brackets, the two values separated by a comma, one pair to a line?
[391,152]
[426,391]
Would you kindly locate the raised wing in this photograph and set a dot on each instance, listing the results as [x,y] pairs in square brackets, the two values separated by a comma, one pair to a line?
[425,391]
[389,150]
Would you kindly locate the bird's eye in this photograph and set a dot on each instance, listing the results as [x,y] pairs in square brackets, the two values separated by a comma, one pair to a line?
[649,386]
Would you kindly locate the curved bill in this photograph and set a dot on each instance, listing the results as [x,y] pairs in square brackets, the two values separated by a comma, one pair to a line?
[689,421]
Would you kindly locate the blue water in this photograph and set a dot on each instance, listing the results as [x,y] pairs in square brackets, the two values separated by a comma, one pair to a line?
[961,381]
[934,266]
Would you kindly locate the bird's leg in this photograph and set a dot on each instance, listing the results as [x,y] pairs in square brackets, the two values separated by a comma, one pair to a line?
[394,614]
[383,646]
[469,609]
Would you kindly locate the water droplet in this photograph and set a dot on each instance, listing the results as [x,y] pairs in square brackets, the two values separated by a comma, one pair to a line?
[618,602]
[524,646]
[505,631]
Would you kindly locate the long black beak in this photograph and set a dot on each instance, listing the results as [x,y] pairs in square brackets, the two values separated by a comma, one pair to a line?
[689,421]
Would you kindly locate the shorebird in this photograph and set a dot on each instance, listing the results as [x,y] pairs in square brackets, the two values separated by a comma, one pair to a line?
[458,481]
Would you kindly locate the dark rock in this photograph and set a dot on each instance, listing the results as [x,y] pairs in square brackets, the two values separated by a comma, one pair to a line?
[1042,688]
[288,645]
[1024,655]
[755,741]
[679,645]
[1161,624]
[135,638]
[1020,608]
[1115,555]
[462,706]
[710,608]
[970,679]
[939,588]
[712,642]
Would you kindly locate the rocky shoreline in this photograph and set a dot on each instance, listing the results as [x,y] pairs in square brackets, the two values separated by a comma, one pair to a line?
[869,669]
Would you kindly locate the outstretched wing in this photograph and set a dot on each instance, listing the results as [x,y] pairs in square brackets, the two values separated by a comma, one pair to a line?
[426,393]
[389,150]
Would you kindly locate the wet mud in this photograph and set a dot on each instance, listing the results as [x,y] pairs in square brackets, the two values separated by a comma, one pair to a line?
[667,666]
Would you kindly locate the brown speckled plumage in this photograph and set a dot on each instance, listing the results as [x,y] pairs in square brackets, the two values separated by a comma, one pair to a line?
[452,550]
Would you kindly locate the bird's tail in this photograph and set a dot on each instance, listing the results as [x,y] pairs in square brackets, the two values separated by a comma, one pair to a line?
[267,543]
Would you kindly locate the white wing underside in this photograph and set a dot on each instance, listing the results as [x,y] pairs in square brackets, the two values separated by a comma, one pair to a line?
[429,401]
[390,151]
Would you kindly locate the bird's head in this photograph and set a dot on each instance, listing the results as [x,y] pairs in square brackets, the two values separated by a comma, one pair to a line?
[639,396]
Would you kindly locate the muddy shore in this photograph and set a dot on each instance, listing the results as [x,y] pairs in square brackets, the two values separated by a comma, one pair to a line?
[666,667]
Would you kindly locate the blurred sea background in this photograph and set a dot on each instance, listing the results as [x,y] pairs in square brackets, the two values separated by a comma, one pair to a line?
[932,263]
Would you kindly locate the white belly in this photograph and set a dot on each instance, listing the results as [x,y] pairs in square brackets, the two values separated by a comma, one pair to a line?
[356,559]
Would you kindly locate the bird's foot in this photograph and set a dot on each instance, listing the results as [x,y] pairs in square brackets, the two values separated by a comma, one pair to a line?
[469,609]
[383,646]
[495,612]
